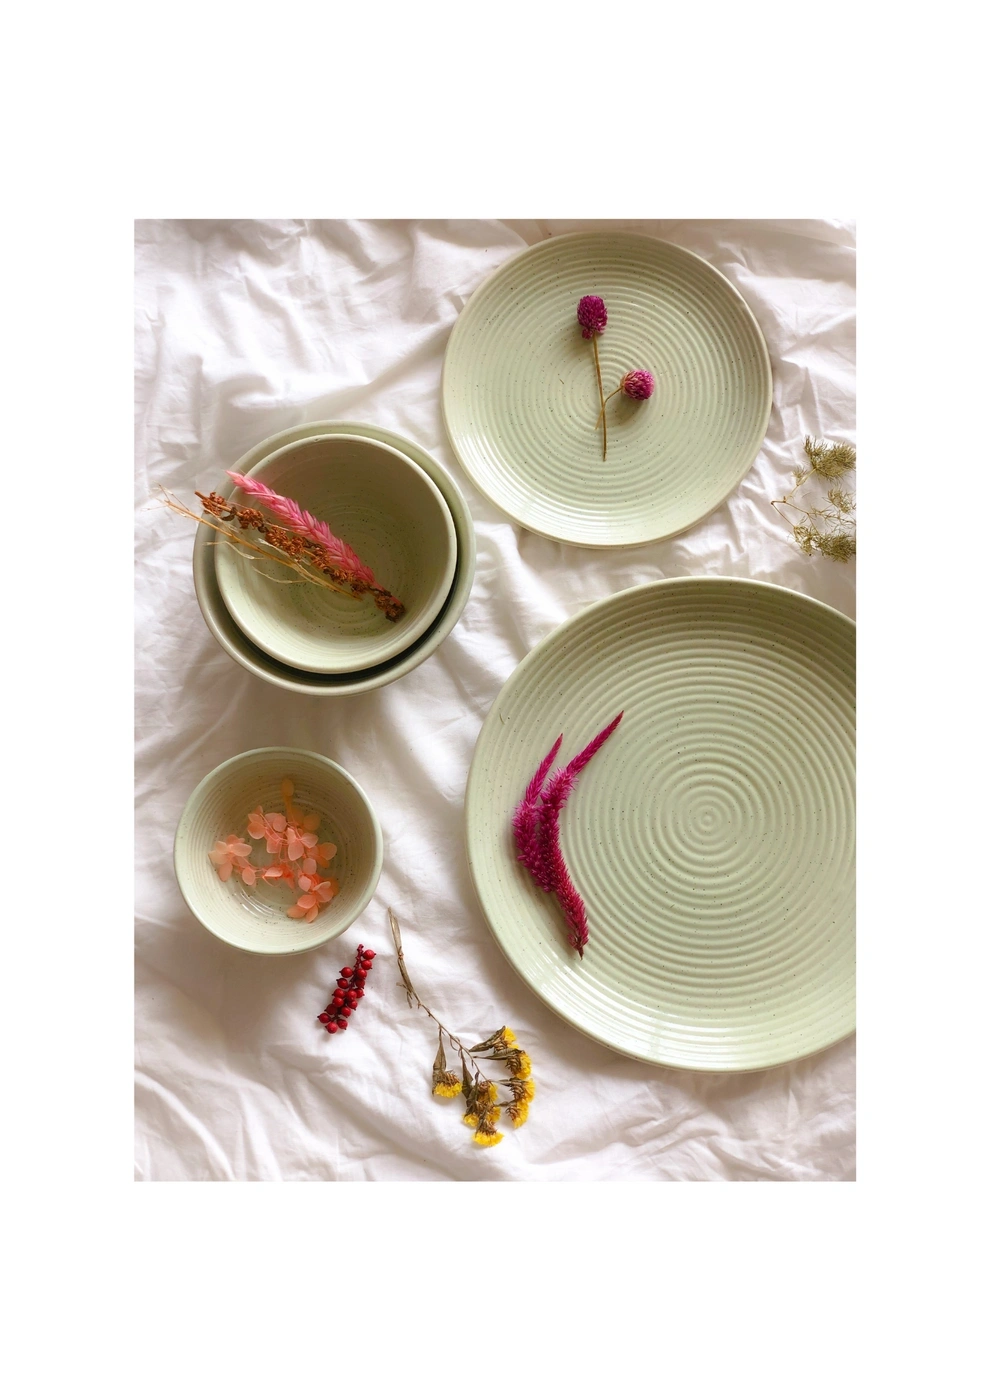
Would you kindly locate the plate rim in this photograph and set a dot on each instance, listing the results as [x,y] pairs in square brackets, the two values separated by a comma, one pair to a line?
[602,233]
[474,777]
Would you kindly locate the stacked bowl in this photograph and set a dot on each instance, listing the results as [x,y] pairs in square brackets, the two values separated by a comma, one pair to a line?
[401,513]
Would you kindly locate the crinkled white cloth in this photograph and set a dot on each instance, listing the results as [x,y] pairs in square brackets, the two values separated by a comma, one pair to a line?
[246,328]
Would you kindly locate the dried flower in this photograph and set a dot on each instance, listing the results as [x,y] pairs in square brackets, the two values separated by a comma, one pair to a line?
[828,529]
[307,553]
[483,1109]
[302,522]
[526,821]
[592,316]
[225,853]
[537,818]
[350,989]
[637,384]
[299,855]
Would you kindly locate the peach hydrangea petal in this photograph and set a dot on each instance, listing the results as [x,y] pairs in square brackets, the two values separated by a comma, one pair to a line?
[295,850]
[225,871]
[307,901]
[308,840]
[295,912]
[240,848]
[327,850]
[311,821]
[287,788]
[309,866]
[248,874]
[312,913]
[305,883]
[276,821]
[273,845]
[219,853]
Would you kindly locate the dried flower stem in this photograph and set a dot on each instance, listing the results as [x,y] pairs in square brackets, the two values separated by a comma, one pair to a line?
[413,996]
[601,396]
[484,1108]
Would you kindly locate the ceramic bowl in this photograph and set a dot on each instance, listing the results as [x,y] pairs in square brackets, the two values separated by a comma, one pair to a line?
[254,918]
[389,511]
[257,662]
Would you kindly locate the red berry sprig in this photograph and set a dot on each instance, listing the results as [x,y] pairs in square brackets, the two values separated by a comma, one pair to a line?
[350,990]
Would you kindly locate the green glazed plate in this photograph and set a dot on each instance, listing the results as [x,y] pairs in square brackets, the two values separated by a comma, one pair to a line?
[712,837]
[520,396]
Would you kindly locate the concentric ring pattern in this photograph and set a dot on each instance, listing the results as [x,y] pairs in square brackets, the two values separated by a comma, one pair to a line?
[520,396]
[712,838]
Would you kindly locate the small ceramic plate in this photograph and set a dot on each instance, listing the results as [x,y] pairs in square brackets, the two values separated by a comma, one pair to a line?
[258,662]
[520,396]
[711,837]
[389,511]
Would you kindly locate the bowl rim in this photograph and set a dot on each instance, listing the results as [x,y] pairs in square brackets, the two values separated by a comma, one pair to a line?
[379,650]
[240,649]
[237,760]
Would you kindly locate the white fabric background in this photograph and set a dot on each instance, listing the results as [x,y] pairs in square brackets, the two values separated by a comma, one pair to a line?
[246,328]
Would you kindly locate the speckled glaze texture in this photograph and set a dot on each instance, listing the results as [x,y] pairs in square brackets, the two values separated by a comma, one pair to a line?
[712,840]
[254,919]
[388,510]
[243,650]
[520,396]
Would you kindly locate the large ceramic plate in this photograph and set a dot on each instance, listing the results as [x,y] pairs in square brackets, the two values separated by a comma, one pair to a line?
[711,837]
[242,649]
[520,395]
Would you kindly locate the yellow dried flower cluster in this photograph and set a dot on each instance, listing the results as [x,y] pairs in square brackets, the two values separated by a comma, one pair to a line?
[483,1108]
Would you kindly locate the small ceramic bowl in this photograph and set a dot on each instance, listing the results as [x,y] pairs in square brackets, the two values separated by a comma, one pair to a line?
[265,667]
[389,511]
[254,918]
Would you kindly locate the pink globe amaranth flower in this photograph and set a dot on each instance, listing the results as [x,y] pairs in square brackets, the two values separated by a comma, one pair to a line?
[592,316]
[637,384]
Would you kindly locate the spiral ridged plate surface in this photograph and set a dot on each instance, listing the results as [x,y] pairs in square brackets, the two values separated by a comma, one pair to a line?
[712,837]
[520,395]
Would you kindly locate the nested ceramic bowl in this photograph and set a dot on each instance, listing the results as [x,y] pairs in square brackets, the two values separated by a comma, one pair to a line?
[389,511]
[265,667]
[254,918]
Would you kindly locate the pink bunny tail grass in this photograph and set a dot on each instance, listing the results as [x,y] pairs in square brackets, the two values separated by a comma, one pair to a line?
[526,819]
[292,514]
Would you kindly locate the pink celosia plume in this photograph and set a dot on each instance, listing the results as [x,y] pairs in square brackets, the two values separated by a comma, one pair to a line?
[536,824]
[526,820]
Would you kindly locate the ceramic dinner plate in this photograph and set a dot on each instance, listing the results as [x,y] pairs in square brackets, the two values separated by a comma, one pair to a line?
[520,396]
[712,837]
